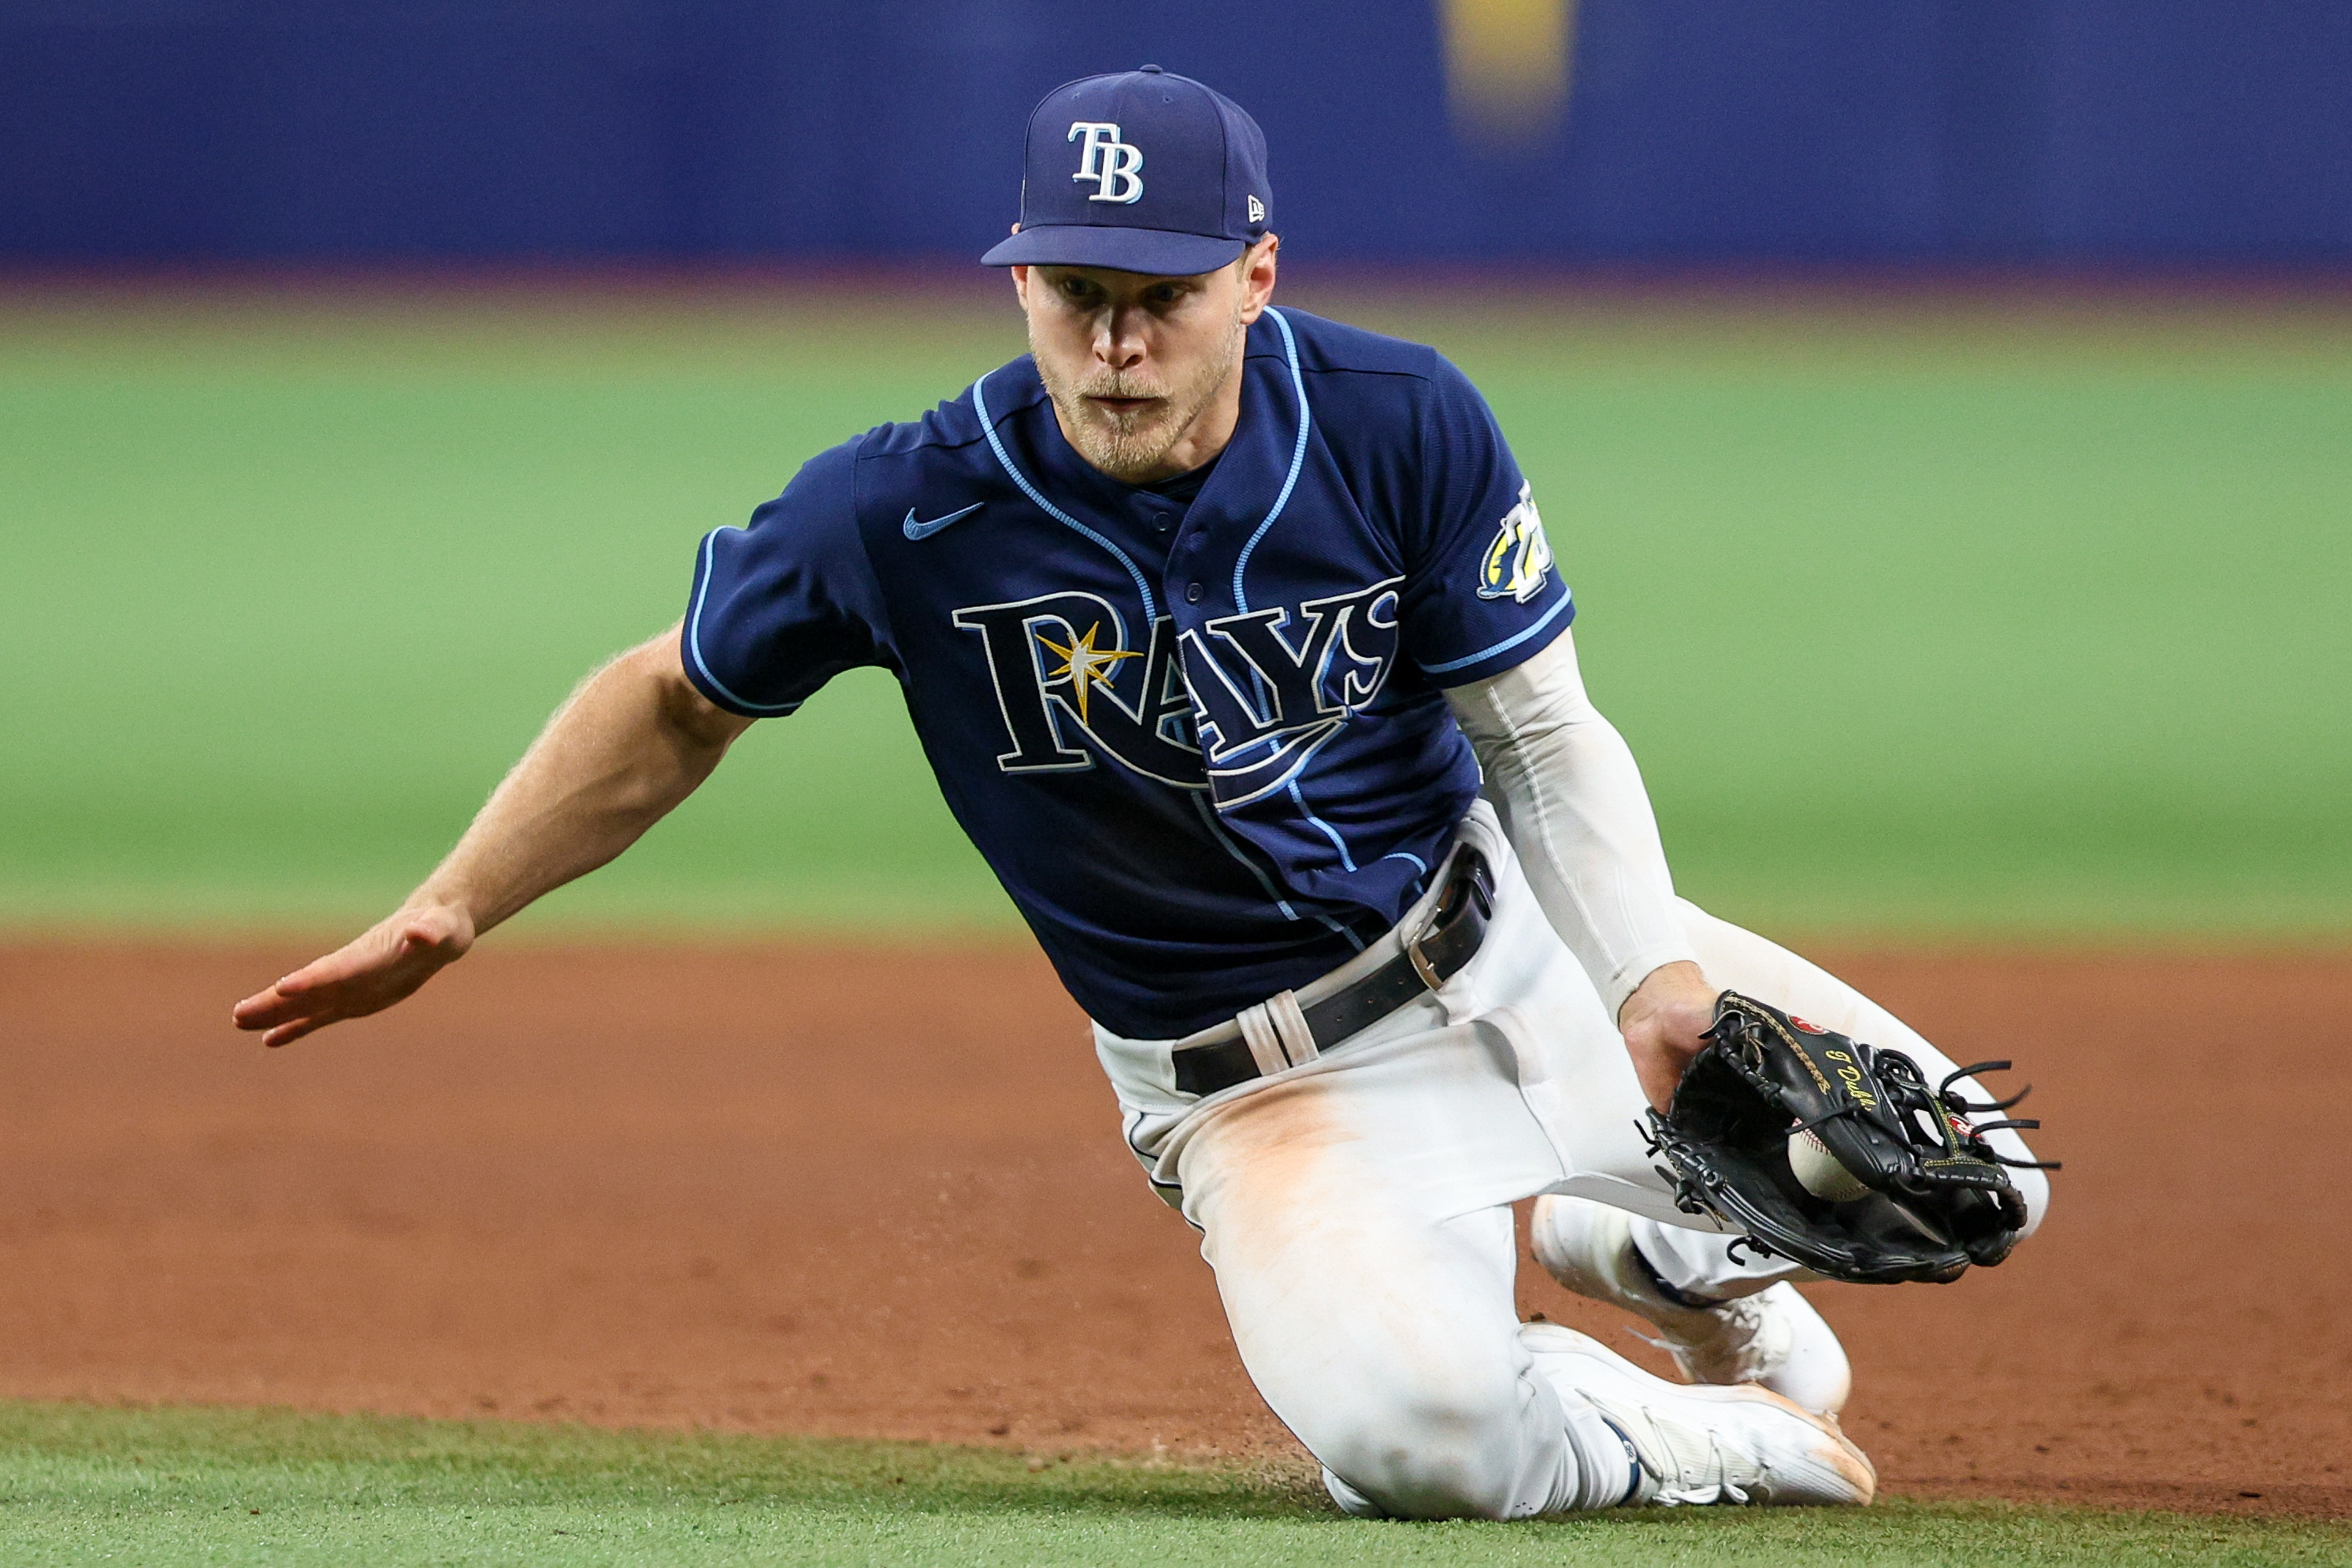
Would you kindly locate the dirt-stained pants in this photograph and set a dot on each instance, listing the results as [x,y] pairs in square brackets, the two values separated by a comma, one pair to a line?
[1355,1209]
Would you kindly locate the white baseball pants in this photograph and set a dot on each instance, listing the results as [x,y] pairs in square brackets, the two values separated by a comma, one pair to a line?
[1356,1208]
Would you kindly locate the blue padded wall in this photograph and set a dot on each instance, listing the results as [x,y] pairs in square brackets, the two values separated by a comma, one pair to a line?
[2163,132]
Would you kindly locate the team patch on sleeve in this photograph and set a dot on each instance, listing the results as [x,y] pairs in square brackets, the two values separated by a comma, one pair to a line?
[1520,559]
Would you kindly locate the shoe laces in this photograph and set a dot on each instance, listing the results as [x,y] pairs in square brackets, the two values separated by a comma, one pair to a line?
[1739,1344]
[1710,1481]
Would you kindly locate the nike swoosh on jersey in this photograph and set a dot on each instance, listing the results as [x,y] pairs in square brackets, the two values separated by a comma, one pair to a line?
[918,531]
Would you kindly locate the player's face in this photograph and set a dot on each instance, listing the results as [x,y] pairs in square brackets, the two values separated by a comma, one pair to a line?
[1144,372]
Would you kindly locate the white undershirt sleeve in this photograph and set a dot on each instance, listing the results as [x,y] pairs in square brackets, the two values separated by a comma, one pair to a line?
[1573,804]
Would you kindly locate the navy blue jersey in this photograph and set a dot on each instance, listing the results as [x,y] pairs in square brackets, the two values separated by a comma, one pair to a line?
[1202,742]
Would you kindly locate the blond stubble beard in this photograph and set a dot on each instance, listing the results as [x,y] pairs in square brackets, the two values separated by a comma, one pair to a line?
[1130,446]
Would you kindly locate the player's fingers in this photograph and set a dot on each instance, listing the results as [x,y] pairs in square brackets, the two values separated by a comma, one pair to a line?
[270,1010]
[339,964]
[265,1009]
[264,1012]
[258,1011]
[329,999]
[287,1034]
[363,977]
[301,993]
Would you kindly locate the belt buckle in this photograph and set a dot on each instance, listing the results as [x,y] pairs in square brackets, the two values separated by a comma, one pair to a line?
[1467,882]
[1421,964]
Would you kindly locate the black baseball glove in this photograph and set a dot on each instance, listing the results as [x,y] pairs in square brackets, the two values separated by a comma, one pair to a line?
[1899,1185]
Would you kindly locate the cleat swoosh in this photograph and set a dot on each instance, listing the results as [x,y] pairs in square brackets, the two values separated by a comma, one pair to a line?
[914,530]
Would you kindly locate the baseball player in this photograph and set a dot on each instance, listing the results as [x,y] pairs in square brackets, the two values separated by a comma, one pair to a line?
[1237,644]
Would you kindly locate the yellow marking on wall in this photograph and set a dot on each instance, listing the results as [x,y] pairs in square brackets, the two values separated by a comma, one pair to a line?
[1507,65]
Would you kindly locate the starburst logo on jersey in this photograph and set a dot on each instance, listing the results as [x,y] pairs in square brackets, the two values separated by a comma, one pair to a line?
[1084,667]
[1520,557]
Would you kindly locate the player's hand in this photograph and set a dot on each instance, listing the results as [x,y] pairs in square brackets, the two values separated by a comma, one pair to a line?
[1662,1022]
[385,964]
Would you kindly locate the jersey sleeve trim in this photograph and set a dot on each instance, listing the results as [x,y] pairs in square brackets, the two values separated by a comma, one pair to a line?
[1567,602]
[697,670]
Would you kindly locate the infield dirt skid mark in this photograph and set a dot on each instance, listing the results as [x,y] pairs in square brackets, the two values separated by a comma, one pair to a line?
[844,1191]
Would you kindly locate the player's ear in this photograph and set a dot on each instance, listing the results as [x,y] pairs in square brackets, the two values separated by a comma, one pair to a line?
[1256,267]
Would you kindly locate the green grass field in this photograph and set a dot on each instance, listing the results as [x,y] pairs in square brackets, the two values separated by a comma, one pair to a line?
[171,1487]
[1963,619]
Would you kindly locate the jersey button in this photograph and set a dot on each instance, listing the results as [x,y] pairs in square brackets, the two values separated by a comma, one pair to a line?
[1193,592]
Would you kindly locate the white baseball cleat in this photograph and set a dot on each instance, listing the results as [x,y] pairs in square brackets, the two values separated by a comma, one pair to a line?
[1774,1338]
[1697,1444]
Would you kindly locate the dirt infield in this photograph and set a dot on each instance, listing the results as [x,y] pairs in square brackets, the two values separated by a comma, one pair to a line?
[853,1192]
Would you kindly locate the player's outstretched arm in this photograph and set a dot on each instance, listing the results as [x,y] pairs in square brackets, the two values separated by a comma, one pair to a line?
[630,743]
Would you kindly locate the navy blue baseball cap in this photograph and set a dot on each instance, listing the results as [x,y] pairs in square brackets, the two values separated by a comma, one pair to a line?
[1141,170]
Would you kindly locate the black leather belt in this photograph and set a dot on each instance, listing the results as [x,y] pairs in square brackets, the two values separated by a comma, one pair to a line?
[1436,955]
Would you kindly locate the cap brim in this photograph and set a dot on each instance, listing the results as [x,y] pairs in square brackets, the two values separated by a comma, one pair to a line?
[1156,252]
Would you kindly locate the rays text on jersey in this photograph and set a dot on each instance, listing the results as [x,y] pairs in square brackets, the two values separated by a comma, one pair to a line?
[1260,690]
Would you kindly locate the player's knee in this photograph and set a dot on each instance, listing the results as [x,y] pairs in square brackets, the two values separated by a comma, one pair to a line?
[1433,1454]
[1429,1481]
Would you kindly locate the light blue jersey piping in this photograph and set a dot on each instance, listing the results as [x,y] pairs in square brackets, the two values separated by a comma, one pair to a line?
[1298,461]
[694,636]
[1328,832]
[1005,460]
[1209,818]
[1508,644]
[1353,940]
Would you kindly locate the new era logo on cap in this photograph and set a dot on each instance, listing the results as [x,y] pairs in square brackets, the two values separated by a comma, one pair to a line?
[1087,201]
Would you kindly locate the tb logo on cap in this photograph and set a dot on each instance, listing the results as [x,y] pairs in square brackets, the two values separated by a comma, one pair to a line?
[1115,166]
